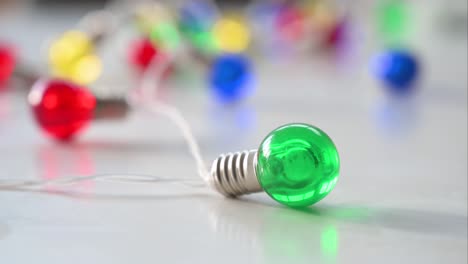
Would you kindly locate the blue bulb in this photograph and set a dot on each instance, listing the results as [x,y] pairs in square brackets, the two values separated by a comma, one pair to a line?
[397,69]
[230,77]
[196,15]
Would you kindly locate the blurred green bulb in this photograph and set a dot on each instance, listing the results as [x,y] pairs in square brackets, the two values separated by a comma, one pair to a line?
[204,42]
[166,35]
[393,19]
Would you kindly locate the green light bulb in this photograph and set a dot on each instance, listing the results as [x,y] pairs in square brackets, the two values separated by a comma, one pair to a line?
[165,34]
[296,164]
[393,20]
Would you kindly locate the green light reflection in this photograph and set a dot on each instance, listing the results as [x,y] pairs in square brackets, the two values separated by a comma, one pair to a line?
[329,242]
[291,236]
[277,235]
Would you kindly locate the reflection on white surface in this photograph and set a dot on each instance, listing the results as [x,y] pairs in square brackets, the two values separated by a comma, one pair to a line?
[4,230]
[232,125]
[4,105]
[283,235]
[329,242]
[56,161]
[396,117]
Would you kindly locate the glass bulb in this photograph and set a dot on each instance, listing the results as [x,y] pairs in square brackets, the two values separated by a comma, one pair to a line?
[166,36]
[231,35]
[336,36]
[393,20]
[61,108]
[298,165]
[196,18]
[398,69]
[72,57]
[291,23]
[142,52]
[7,63]
[230,77]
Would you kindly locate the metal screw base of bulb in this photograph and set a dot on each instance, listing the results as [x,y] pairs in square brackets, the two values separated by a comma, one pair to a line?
[234,174]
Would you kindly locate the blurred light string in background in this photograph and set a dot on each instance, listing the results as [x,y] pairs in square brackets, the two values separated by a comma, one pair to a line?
[143,98]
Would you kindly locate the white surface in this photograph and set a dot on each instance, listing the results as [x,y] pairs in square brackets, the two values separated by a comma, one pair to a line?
[401,198]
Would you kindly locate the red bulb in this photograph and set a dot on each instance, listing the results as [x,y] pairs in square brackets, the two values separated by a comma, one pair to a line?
[336,35]
[61,108]
[7,63]
[290,24]
[142,53]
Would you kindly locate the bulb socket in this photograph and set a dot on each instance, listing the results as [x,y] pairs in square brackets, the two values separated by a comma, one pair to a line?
[234,174]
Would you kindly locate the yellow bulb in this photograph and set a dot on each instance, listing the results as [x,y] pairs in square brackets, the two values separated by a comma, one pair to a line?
[324,15]
[149,15]
[231,35]
[87,69]
[71,46]
[72,57]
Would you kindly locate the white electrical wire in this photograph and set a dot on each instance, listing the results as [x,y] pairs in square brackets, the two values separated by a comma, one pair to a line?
[148,101]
